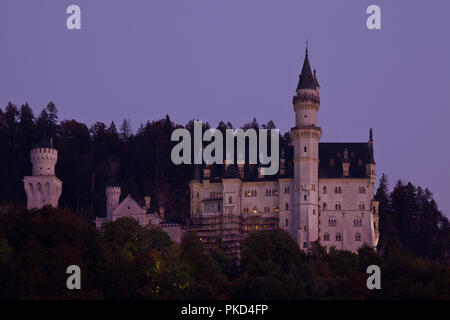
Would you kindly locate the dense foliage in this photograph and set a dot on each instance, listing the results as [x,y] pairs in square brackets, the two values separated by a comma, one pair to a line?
[89,157]
[128,261]
[132,262]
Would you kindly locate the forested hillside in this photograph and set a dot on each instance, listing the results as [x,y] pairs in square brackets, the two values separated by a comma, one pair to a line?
[140,161]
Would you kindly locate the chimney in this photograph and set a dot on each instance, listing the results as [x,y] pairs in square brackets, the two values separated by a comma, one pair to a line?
[241,170]
[345,164]
[207,172]
[147,200]
[161,212]
[282,167]
[260,175]
[227,163]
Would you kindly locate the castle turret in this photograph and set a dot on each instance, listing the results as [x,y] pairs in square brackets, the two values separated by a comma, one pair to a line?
[305,136]
[43,187]
[112,198]
[370,166]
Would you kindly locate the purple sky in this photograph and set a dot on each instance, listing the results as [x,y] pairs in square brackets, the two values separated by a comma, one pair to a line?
[234,60]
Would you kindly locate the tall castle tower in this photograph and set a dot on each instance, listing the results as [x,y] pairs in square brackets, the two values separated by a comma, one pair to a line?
[113,192]
[305,137]
[43,187]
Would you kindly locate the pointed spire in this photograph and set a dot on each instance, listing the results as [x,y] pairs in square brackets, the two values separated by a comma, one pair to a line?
[196,172]
[307,80]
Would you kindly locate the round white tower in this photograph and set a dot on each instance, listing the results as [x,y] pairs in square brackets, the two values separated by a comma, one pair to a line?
[43,158]
[112,198]
[305,136]
[43,187]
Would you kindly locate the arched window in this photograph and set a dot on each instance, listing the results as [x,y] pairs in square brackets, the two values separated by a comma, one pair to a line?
[324,206]
[338,237]
[39,187]
[358,236]
[326,237]
[286,206]
[230,199]
[324,189]
[362,206]
[30,186]
[337,206]
[332,222]
[255,209]
[305,197]
[357,222]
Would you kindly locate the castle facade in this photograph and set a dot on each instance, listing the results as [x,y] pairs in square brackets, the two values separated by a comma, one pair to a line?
[323,191]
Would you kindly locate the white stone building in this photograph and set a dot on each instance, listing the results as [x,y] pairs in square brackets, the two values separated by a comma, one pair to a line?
[323,191]
[127,208]
[43,187]
[130,208]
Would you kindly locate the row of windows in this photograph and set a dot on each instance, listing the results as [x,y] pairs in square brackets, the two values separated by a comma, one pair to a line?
[326,237]
[250,193]
[215,195]
[356,223]
[39,187]
[338,206]
[271,192]
[266,209]
[256,227]
[338,190]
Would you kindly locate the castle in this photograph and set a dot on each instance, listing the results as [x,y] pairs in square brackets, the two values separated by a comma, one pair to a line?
[323,191]
[44,188]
